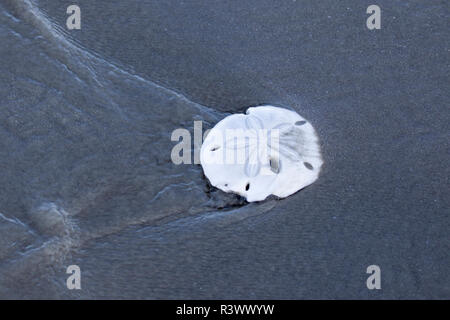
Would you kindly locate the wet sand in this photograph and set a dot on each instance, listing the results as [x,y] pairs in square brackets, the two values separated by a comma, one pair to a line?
[85,146]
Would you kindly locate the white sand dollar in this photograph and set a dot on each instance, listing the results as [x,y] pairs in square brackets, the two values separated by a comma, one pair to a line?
[268,150]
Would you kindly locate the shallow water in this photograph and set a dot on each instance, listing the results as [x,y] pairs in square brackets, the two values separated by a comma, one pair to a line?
[85,124]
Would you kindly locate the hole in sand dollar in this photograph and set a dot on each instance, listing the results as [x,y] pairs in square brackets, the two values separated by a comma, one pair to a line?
[300,123]
[247,186]
[215,148]
[308,165]
[274,165]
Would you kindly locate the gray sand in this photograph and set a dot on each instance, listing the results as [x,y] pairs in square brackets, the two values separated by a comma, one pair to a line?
[86,176]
